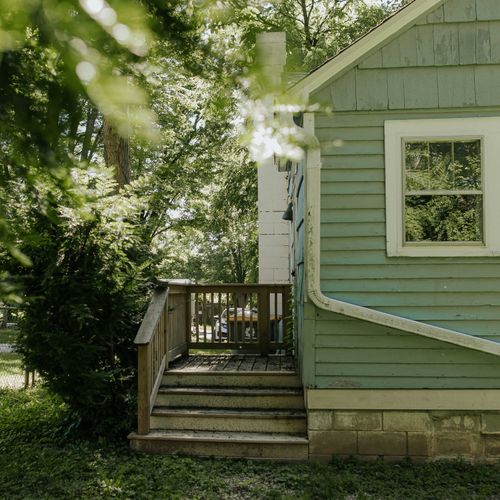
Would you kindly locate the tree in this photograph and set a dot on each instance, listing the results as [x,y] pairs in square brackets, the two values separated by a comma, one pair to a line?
[117,154]
[316,29]
[60,62]
[73,250]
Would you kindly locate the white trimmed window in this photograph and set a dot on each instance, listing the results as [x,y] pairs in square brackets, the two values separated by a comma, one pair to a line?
[443,187]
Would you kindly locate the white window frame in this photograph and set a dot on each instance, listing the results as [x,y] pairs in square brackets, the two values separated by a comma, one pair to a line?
[396,133]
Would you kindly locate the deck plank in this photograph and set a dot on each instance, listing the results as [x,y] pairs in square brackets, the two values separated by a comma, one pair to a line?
[247,364]
[273,363]
[234,362]
[289,363]
[260,364]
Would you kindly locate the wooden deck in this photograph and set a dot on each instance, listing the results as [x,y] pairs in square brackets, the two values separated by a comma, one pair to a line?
[234,362]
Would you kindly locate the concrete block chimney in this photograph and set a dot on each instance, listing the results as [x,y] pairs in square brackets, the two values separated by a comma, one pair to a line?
[274,232]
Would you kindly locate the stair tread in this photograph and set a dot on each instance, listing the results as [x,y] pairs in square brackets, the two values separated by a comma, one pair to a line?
[184,371]
[222,437]
[241,391]
[227,412]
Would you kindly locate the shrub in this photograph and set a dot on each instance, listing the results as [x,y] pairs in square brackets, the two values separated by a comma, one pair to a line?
[86,293]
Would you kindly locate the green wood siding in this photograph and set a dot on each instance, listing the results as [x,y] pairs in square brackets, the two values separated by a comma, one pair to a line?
[447,65]
[296,190]
[352,353]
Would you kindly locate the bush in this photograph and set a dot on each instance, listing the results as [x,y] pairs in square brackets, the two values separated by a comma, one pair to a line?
[86,293]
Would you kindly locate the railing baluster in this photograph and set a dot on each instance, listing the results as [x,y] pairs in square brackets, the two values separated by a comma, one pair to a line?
[252,329]
[219,306]
[212,315]
[203,317]
[197,316]
[235,318]
[228,318]
[286,312]
[275,324]
[264,320]
[243,322]
[233,306]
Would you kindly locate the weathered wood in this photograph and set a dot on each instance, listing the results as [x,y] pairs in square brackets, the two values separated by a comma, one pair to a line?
[436,16]
[487,85]
[396,370]
[391,56]
[152,317]
[161,337]
[456,87]
[408,47]
[232,322]
[483,46]
[159,375]
[487,10]
[425,45]
[417,94]
[372,61]
[264,320]
[495,42]
[371,89]
[143,389]
[344,92]
[467,43]
[460,10]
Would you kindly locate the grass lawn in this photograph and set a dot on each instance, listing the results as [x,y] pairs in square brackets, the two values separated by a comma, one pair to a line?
[11,370]
[8,336]
[40,458]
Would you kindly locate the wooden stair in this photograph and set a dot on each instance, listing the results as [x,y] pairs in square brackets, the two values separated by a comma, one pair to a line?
[257,415]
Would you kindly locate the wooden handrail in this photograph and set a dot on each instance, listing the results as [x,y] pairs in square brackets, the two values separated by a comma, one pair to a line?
[237,316]
[152,348]
[161,337]
[152,317]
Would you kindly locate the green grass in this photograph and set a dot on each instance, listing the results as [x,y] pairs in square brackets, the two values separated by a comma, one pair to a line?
[11,370]
[41,458]
[8,336]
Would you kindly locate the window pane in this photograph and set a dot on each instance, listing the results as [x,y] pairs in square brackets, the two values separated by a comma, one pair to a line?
[466,168]
[450,165]
[417,166]
[440,160]
[443,218]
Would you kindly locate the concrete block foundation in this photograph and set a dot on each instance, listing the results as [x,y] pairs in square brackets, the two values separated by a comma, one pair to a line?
[392,435]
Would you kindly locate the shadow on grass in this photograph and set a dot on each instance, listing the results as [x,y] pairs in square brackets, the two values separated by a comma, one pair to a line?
[41,458]
[8,336]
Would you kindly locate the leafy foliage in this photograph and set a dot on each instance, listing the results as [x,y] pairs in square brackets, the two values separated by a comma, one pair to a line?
[218,242]
[166,77]
[86,293]
[36,443]
[316,29]
[59,63]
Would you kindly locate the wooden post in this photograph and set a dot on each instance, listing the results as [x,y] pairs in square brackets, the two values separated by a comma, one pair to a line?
[143,389]
[187,301]
[286,312]
[5,317]
[264,320]
[165,333]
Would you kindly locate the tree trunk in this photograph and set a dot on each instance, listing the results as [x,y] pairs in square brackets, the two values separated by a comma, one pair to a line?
[89,132]
[117,154]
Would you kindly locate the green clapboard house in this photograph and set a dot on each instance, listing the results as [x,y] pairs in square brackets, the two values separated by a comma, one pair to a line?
[396,237]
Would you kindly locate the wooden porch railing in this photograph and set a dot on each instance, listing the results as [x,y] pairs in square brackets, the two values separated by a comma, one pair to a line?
[161,338]
[252,318]
[6,314]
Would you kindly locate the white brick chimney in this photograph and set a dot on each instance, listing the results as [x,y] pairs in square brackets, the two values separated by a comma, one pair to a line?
[274,232]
